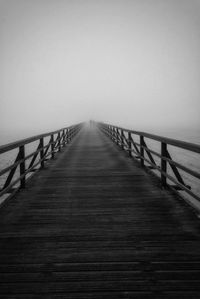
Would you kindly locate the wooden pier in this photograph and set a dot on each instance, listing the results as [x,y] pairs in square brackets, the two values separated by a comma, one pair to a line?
[93,224]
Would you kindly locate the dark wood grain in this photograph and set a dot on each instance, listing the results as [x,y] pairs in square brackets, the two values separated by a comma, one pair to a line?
[93,224]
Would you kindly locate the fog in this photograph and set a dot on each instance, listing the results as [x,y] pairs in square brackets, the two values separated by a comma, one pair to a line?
[132,63]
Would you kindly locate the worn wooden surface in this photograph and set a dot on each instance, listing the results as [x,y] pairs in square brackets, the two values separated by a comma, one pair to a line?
[92,224]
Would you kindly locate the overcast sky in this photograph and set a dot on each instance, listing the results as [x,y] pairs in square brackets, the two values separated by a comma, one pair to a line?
[134,63]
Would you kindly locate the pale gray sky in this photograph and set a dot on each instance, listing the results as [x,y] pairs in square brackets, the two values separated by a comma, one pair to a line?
[133,63]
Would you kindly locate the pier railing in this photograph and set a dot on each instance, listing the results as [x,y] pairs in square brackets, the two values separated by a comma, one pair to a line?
[171,171]
[43,147]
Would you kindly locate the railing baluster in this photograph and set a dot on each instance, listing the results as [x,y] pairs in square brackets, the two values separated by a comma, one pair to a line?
[141,150]
[69,134]
[122,139]
[112,133]
[117,136]
[42,152]
[163,164]
[22,166]
[59,143]
[52,146]
[11,173]
[129,144]
[64,137]
[108,130]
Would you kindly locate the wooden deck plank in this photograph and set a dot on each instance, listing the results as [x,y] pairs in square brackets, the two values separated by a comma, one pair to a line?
[93,224]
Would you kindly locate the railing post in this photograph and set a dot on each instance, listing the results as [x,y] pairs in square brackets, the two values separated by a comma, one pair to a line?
[117,136]
[112,133]
[67,135]
[64,137]
[107,130]
[163,164]
[70,134]
[73,132]
[52,146]
[42,152]
[129,144]
[122,139]
[59,143]
[22,166]
[141,150]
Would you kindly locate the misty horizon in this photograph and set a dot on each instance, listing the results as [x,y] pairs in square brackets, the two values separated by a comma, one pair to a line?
[134,64]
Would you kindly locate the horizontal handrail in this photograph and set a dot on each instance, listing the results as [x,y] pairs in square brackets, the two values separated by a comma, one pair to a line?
[56,140]
[170,141]
[13,145]
[140,150]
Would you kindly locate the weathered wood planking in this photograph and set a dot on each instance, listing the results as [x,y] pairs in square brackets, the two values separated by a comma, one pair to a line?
[92,224]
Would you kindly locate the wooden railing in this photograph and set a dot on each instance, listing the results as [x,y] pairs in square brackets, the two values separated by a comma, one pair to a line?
[47,145]
[170,178]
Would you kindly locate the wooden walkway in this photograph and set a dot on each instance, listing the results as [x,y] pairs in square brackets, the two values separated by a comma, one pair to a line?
[92,224]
